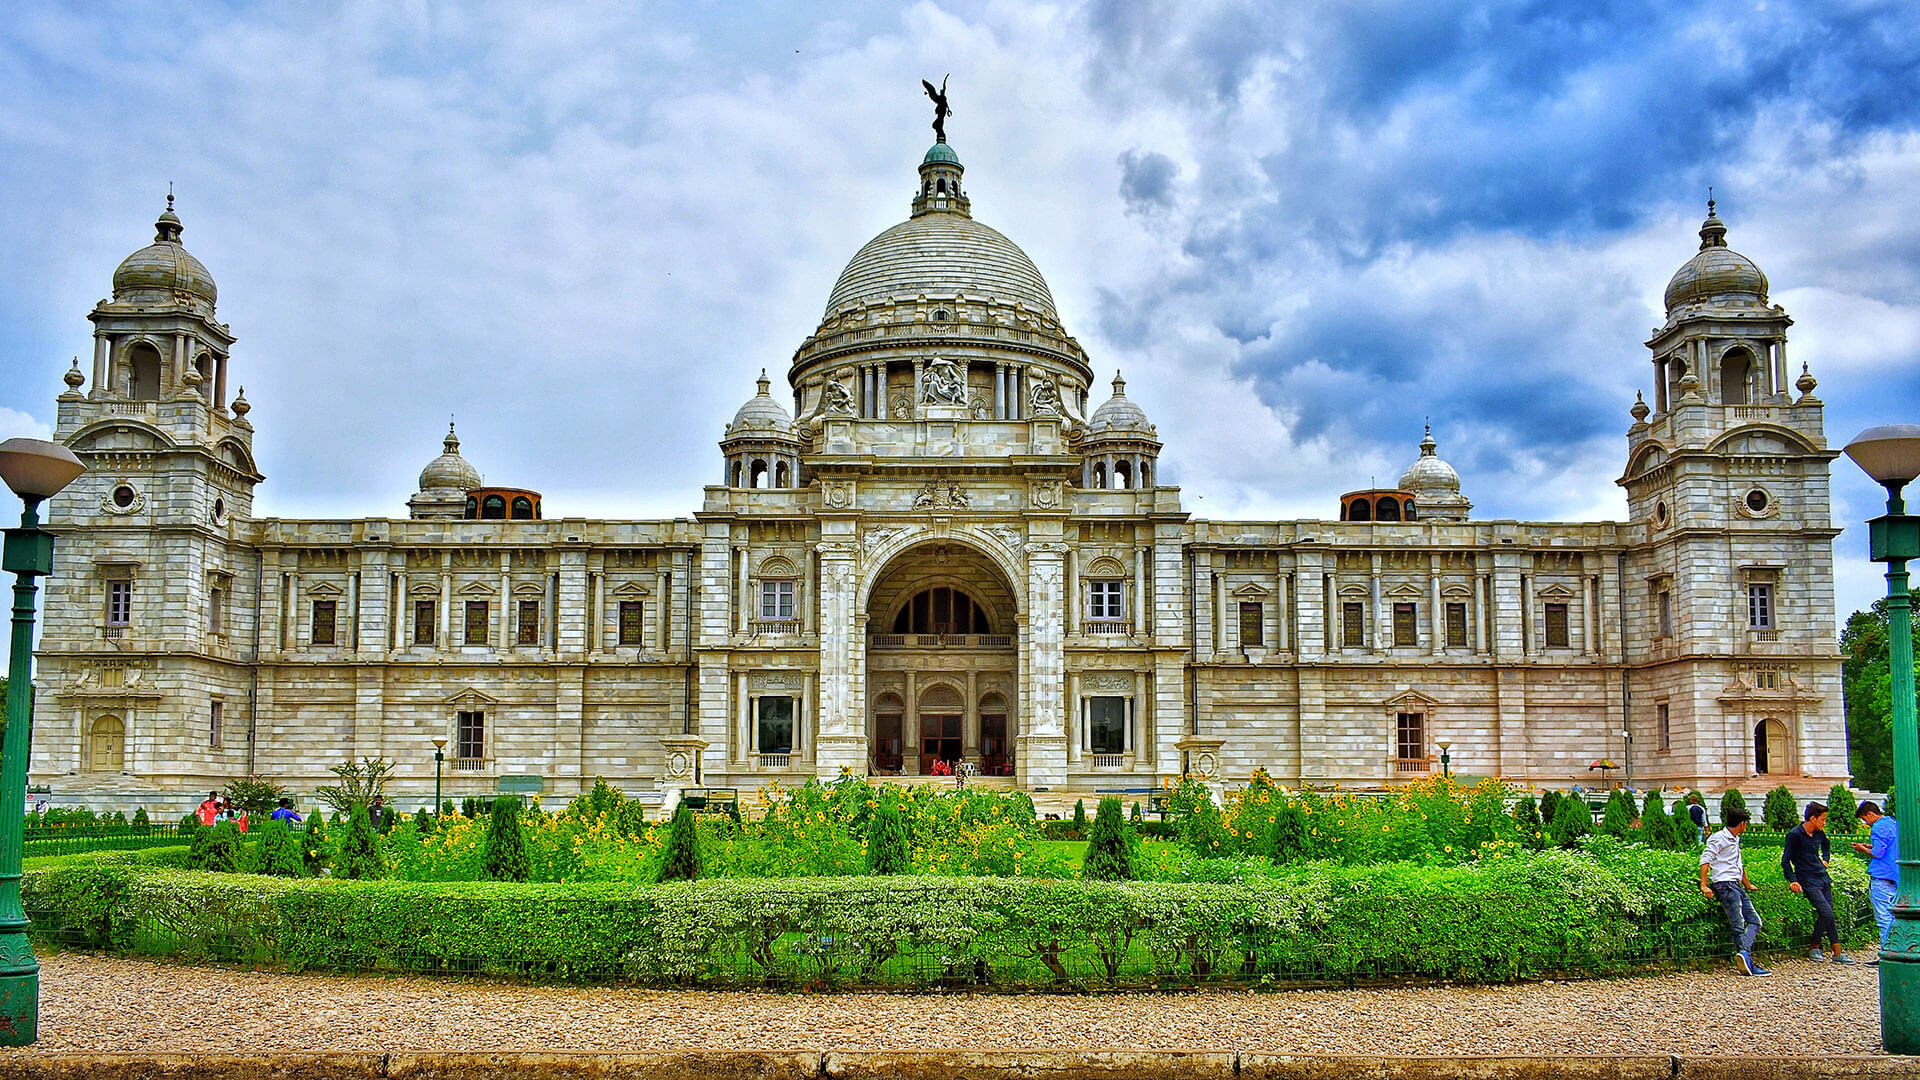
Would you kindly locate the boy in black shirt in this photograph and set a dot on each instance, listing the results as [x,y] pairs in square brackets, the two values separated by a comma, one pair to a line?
[1803,862]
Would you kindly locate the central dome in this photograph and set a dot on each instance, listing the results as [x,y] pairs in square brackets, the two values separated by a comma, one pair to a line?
[941,255]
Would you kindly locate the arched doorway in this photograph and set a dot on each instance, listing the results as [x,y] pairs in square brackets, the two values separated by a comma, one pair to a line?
[942,662]
[107,745]
[1770,752]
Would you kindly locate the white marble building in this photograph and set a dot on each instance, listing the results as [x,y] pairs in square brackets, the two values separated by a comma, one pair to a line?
[940,553]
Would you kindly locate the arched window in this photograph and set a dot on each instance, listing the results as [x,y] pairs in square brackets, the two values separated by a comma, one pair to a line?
[203,365]
[942,610]
[940,185]
[1122,474]
[107,745]
[1360,510]
[1735,369]
[493,508]
[1146,474]
[522,508]
[1389,509]
[888,711]
[143,372]
[1099,474]
[759,476]
[736,475]
[473,508]
[782,477]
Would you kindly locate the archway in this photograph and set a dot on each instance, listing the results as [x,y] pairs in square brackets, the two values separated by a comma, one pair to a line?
[107,745]
[942,662]
[1771,754]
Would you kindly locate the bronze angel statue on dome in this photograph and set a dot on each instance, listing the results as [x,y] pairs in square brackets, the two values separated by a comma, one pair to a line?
[940,110]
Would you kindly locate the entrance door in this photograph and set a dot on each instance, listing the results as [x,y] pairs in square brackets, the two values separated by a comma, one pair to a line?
[939,740]
[1770,747]
[108,750]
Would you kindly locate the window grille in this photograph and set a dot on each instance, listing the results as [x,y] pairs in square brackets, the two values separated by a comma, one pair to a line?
[630,611]
[1353,626]
[1760,606]
[323,623]
[1557,633]
[1405,632]
[1456,626]
[423,616]
[119,603]
[1410,737]
[776,600]
[1253,625]
[1104,600]
[476,623]
[527,630]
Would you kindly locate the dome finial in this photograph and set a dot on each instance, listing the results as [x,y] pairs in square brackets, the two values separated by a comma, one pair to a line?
[1427,445]
[1713,231]
[450,444]
[1119,384]
[167,229]
[764,383]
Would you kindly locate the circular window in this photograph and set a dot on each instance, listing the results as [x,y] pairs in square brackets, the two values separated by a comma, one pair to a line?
[123,496]
[1660,512]
[219,509]
[1758,501]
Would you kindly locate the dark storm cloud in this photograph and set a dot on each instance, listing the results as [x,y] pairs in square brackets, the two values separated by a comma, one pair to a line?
[1146,179]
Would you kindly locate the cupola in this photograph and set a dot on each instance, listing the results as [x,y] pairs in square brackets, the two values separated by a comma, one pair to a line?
[163,270]
[1434,484]
[1119,446]
[444,483]
[762,445]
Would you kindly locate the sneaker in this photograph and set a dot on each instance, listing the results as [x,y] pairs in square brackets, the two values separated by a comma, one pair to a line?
[1843,958]
[1741,964]
[1757,969]
[1817,956]
[1874,960]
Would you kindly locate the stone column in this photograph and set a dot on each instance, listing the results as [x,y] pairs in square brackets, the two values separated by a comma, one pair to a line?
[843,738]
[1043,668]
[1382,618]
[1072,606]
[919,370]
[444,612]
[353,611]
[290,611]
[970,730]
[503,630]
[910,729]
[1436,620]
[402,607]
[1135,733]
[1529,638]
[743,732]
[1077,717]
[220,383]
[179,365]
[880,378]
[597,618]
[101,347]
[1139,620]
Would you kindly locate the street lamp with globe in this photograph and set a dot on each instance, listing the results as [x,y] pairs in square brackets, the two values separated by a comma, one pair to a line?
[1891,455]
[439,755]
[1446,767]
[35,470]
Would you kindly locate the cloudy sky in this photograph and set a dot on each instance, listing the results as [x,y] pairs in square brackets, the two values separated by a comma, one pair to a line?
[1301,229]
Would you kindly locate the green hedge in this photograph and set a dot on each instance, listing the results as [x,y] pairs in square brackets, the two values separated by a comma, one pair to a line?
[1553,913]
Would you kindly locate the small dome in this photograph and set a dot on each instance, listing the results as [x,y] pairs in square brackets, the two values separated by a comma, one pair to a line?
[941,255]
[1718,273]
[762,414]
[1119,415]
[941,153]
[164,265]
[1434,484]
[449,471]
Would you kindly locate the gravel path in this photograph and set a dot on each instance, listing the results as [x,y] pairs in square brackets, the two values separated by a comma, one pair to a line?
[101,1003]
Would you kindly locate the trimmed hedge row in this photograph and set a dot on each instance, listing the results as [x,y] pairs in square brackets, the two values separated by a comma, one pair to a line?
[1504,919]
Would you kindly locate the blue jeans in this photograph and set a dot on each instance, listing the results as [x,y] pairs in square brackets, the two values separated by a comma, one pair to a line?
[1880,891]
[1741,918]
[1819,893]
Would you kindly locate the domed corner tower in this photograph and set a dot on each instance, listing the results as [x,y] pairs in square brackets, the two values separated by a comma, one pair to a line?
[762,445]
[1119,448]
[151,606]
[445,482]
[939,320]
[1727,490]
[1434,484]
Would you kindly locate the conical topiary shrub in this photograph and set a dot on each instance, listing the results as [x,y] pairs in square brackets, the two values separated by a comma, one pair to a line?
[1731,800]
[279,851]
[313,845]
[1617,820]
[360,855]
[1109,850]
[1780,811]
[682,859]
[216,849]
[889,847]
[1841,807]
[140,816]
[506,842]
[1656,829]
[1549,805]
[1571,820]
[1080,817]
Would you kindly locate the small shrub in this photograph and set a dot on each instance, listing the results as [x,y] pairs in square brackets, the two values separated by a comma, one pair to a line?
[119,817]
[1780,812]
[360,854]
[1109,850]
[279,851]
[254,795]
[389,817]
[470,807]
[1136,818]
[1549,806]
[1571,821]
[216,849]
[361,782]
[506,842]
[889,849]
[1840,810]
[140,816]
[1080,816]
[1656,828]
[1617,820]
[423,820]
[189,825]
[313,845]
[1731,800]
[682,859]
[447,810]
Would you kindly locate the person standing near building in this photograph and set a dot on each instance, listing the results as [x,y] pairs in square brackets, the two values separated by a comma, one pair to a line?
[1882,850]
[209,810]
[285,812]
[1723,876]
[1697,813]
[1803,862]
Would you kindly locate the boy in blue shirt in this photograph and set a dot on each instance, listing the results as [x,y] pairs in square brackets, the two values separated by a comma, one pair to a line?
[1883,867]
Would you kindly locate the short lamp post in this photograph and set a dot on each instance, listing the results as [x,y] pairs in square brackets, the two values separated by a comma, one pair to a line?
[1446,766]
[1891,455]
[439,755]
[35,470]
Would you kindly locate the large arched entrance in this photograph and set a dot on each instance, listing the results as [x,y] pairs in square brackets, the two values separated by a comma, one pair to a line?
[1770,751]
[942,664]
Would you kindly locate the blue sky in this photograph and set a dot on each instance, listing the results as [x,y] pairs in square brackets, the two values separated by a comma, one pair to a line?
[584,228]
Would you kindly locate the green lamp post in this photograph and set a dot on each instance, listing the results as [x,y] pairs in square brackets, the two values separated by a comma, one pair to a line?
[1891,455]
[439,755]
[35,470]
[1446,762]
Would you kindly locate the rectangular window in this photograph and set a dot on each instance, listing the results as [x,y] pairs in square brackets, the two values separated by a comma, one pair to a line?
[1557,627]
[1253,625]
[776,600]
[1404,630]
[214,715]
[470,735]
[1664,603]
[1107,725]
[629,622]
[119,603]
[1410,737]
[1104,599]
[216,610]
[1760,605]
[322,628]
[527,630]
[476,623]
[423,616]
[1353,626]
[1666,726]
[776,725]
[1456,626]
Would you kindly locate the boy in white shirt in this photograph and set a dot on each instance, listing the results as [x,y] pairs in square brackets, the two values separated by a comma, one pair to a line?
[1723,876]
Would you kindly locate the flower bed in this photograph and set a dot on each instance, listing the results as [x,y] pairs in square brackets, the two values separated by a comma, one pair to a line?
[1607,908]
